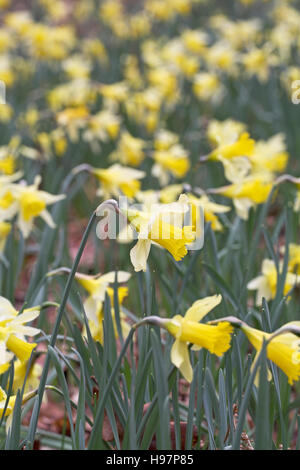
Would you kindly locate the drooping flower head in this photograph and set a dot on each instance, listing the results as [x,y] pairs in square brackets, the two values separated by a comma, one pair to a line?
[118,180]
[97,287]
[28,202]
[188,330]
[163,225]
[283,350]
[13,332]
[266,283]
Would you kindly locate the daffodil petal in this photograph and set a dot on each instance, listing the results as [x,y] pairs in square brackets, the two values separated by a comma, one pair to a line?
[201,307]
[139,254]
[181,359]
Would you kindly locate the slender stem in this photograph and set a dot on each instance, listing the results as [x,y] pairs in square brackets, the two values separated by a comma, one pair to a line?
[43,380]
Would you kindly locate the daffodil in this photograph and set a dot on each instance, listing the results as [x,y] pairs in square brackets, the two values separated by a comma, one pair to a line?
[243,146]
[13,332]
[8,405]
[29,202]
[282,346]
[97,287]
[32,375]
[270,155]
[248,192]
[188,331]
[225,133]
[164,226]
[222,56]
[165,139]
[72,120]
[102,127]
[266,283]
[195,40]
[114,93]
[118,180]
[283,350]
[130,150]
[77,66]
[258,61]
[207,86]
[173,161]
[210,209]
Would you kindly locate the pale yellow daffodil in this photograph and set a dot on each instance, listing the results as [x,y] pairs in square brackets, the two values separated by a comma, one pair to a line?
[163,225]
[266,283]
[188,331]
[29,202]
[13,332]
[98,287]
[118,180]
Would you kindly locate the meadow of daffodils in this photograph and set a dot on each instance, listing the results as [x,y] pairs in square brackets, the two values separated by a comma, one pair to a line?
[149,224]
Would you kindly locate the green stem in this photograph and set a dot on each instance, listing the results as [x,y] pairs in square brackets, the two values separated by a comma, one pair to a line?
[43,380]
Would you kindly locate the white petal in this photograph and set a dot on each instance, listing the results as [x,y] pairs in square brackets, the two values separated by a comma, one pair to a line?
[139,254]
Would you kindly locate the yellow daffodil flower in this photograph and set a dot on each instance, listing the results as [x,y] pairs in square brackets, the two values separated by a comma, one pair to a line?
[118,180]
[30,202]
[101,127]
[270,155]
[283,350]
[208,87]
[97,287]
[11,404]
[195,40]
[248,192]
[163,226]
[266,283]
[258,61]
[173,161]
[13,332]
[226,132]
[130,150]
[187,330]
[210,209]
[33,376]
[243,146]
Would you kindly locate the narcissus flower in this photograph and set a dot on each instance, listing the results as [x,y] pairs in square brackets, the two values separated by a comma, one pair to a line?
[210,209]
[172,161]
[29,202]
[226,132]
[32,377]
[266,283]
[258,61]
[97,287]
[130,150]
[11,404]
[270,155]
[249,191]
[283,350]
[187,330]
[243,146]
[163,226]
[282,346]
[13,332]
[118,180]
[207,86]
